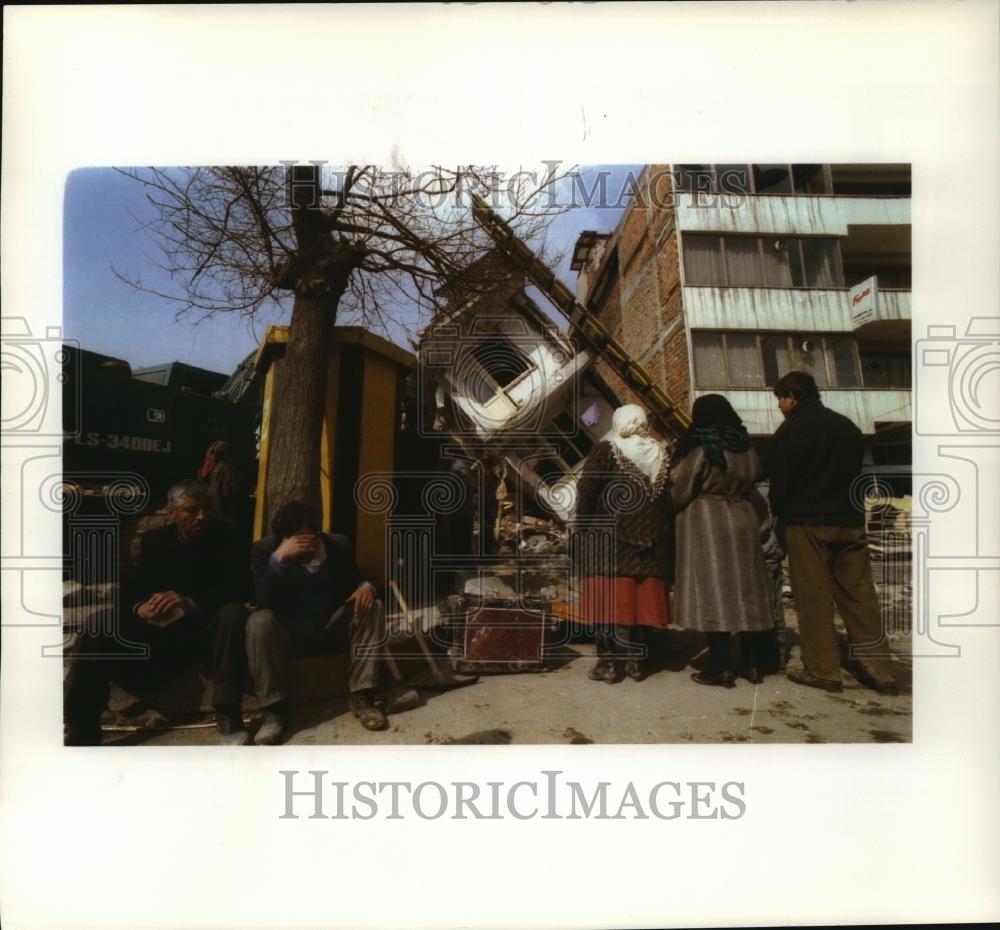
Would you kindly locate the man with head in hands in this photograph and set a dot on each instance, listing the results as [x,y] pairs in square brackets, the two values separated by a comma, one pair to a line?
[311,600]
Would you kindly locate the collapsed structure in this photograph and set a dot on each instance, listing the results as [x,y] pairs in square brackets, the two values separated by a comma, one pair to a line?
[717,278]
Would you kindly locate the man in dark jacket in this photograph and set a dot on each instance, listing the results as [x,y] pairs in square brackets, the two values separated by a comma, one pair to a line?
[815,457]
[312,600]
[185,593]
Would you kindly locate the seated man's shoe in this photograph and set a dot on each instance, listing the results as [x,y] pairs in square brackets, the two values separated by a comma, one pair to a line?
[371,717]
[598,672]
[882,686]
[718,679]
[272,728]
[231,730]
[802,677]
[77,735]
[634,670]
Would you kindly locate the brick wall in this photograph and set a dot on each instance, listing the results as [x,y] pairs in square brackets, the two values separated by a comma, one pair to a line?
[651,312]
[644,310]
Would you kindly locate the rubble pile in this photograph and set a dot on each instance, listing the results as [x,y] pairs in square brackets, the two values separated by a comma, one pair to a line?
[536,536]
[530,536]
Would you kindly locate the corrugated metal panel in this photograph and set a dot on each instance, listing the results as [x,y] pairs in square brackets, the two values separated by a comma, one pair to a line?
[787,309]
[806,216]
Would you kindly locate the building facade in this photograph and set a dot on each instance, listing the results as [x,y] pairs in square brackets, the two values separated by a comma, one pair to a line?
[721,278]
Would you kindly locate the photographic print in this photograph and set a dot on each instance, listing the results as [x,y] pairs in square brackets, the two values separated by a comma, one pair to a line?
[441,442]
[547,476]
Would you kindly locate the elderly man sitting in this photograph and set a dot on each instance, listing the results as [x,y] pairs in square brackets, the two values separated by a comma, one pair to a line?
[313,601]
[183,599]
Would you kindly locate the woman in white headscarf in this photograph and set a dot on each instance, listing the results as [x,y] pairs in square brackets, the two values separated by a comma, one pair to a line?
[622,542]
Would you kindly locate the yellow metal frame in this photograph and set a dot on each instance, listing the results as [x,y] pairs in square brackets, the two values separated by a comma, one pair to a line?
[378,391]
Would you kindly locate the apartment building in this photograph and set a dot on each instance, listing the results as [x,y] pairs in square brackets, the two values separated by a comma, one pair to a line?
[721,278]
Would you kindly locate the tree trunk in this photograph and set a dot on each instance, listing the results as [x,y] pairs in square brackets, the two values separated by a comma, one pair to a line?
[323,267]
[297,418]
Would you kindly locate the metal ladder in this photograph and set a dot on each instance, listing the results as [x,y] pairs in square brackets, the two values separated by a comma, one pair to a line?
[583,324]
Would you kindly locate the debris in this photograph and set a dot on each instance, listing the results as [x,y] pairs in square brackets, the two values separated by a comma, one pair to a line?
[489,587]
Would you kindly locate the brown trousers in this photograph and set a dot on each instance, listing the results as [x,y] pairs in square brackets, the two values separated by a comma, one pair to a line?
[827,565]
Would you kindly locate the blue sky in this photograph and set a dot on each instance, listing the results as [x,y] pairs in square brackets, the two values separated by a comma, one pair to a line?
[103,212]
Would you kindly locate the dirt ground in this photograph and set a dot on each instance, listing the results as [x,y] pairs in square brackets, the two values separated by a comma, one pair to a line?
[562,706]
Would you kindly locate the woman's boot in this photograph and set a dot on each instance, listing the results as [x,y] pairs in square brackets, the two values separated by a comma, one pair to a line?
[718,671]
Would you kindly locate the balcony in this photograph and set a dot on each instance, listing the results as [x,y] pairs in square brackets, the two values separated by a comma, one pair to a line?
[773,308]
[802,215]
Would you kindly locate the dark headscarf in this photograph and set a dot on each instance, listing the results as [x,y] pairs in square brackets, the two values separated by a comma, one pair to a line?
[716,428]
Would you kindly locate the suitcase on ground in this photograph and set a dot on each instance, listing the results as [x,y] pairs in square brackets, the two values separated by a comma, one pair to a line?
[504,639]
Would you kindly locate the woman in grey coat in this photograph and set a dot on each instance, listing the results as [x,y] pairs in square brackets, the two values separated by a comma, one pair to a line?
[721,586]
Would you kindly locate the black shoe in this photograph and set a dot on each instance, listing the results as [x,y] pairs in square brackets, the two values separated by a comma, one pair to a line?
[598,672]
[77,735]
[633,668]
[811,681]
[876,684]
[231,729]
[371,717]
[719,679]
[751,673]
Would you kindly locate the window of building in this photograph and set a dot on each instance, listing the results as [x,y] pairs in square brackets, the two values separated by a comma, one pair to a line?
[703,261]
[733,179]
[743,360]
[550,470]
[572,440]
[499,366]
[692,178]
[809,179]
[892,445]
[757,360]
[753,179]
[891,275]
[821,263]
[761,261]
[886,369]
[871,180]
[772,179]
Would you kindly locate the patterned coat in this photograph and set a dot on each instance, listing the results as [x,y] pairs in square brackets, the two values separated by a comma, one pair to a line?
[722,583]
[615,495]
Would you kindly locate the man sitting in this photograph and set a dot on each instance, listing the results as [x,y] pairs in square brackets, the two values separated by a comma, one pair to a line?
[184,597]
[312,601]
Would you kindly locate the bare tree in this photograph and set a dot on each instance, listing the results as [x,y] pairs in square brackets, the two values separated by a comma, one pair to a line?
[361,240]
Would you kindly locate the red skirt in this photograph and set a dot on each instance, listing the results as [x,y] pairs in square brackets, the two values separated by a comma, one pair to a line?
[625,601]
